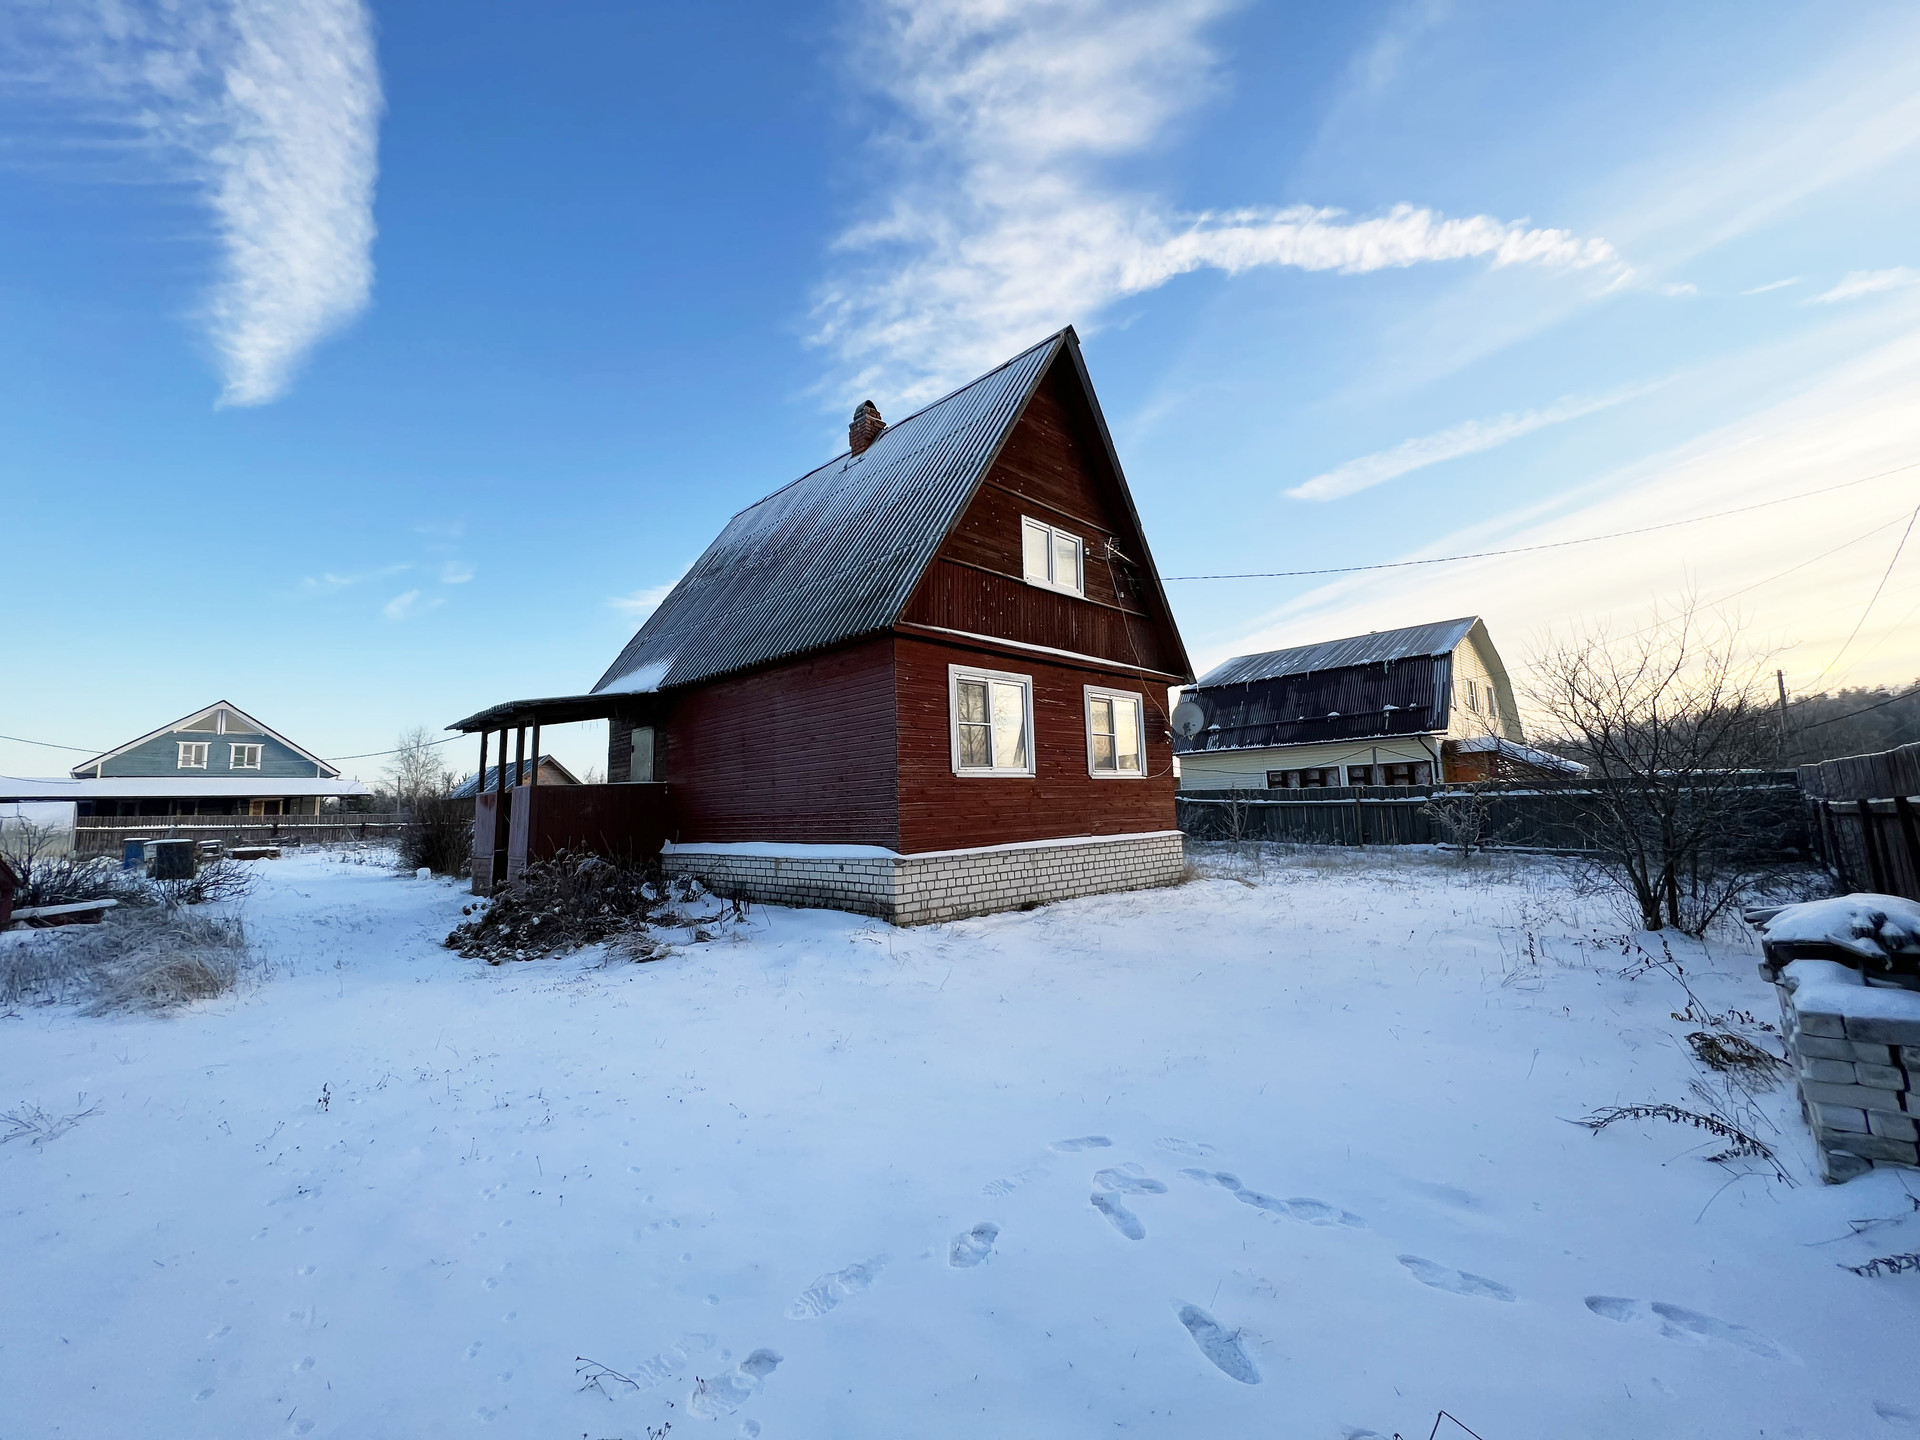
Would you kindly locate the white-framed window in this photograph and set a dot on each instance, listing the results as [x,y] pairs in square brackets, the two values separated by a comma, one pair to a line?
[992,716]
[1115,734]
[245,757]
[193,755]
[1052,557]
[1473,697]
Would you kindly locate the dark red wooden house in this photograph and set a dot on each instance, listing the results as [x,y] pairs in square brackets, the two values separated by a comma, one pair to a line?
[927,679]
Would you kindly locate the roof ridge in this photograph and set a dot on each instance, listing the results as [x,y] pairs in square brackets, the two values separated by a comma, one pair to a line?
[1362,635]
[847,454]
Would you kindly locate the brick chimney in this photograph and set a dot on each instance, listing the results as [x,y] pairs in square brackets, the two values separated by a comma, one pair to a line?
[866,426]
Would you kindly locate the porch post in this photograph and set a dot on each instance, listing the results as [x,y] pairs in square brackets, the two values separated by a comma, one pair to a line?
[534,779]
[500,766]
[480,775]
[519,752]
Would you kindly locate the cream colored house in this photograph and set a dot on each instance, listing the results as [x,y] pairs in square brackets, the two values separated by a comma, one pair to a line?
[1424,705]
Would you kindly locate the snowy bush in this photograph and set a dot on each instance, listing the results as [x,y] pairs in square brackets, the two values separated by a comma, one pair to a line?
[560,904]
[139,959]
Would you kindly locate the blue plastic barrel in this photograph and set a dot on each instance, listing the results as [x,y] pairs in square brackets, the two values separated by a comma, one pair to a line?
[133,855]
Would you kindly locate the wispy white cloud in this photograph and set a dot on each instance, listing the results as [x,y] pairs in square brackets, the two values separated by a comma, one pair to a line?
[999,223]
[641,603]
[329,581]
[1869,282]
[1468,438]
[1772,285]
[455,572]
[407,603]
[271,111]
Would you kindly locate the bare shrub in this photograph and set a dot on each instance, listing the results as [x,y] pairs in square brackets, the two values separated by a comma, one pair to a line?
[1463,814]
[438,835]
[51,875]
[216,880]
[1674,725]
[140,960]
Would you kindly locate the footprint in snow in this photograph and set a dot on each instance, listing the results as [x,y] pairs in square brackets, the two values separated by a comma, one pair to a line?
[727,1393]
[1305,1209]
[1192,1149]
[829,1290]
[971,1247]
[1123,1219]
[1896,1414]
[1128,1180]
[1690,1326]
[1083,1142]
[994,1189]
[1455,1282]
[1220,1346]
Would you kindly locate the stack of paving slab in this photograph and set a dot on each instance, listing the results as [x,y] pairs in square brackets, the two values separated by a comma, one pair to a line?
[1856,1049]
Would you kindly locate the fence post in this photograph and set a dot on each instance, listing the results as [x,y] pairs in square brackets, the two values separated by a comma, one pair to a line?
[1903,808]
[1868,837]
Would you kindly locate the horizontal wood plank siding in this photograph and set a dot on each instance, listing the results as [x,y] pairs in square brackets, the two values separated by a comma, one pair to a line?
[941,811]
[1053,469]
[800,752]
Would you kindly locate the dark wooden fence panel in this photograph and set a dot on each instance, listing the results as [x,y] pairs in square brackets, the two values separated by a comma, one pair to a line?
[1864,814]
[104,835]
[1530,816]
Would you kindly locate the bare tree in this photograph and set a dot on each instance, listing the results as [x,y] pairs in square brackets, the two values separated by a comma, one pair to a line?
[1674,723]
[416,770]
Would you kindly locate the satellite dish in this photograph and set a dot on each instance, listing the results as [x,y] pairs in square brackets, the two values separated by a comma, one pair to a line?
[1187,719]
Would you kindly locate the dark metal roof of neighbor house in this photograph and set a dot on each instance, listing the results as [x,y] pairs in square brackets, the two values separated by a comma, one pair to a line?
[837,553]
[476,783]
[1439,638]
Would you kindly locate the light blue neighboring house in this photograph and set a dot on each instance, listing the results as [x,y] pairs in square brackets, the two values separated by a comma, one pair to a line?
[216,761]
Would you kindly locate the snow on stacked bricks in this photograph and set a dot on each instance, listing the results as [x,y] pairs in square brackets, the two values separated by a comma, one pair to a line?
[1856,1049]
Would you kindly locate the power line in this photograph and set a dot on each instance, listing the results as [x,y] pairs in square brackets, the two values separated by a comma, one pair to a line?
[375,754]
[49,745]
[1876,596]
[1549,545]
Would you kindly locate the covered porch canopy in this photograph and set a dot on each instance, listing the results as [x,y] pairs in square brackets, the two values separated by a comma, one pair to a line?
[508,833]
[517,717]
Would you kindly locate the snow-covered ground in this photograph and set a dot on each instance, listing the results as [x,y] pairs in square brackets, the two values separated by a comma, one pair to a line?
[1287,1156]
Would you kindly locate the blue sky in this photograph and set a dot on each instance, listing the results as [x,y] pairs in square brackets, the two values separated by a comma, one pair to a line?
[368,365]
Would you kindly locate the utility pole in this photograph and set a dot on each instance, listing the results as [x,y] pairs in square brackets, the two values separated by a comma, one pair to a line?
[1780,679]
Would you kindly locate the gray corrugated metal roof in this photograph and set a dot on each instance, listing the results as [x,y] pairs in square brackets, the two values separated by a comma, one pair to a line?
[1438,638]
[838,552]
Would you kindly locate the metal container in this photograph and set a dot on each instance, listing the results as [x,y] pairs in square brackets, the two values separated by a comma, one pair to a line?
[171,859]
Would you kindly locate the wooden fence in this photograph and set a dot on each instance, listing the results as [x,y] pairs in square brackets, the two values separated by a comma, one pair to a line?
[106,834]
[1525,816]
[1861,811]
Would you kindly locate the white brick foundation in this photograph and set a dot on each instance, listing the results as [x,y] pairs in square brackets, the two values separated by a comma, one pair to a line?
[1856,1051]
[937,885]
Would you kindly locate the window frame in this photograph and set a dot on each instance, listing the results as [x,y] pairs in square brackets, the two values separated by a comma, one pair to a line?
[1090,693]
[1054,534]
[236,748]
[957,673]
[198,748]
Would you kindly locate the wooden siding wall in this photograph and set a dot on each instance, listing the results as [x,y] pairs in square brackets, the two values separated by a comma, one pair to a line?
[943,811]
[1052,468]
[160,757]
[801,752]
[619,751]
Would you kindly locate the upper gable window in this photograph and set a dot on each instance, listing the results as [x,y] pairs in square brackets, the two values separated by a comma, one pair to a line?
[1052,557]
[246,757]
[193,755]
